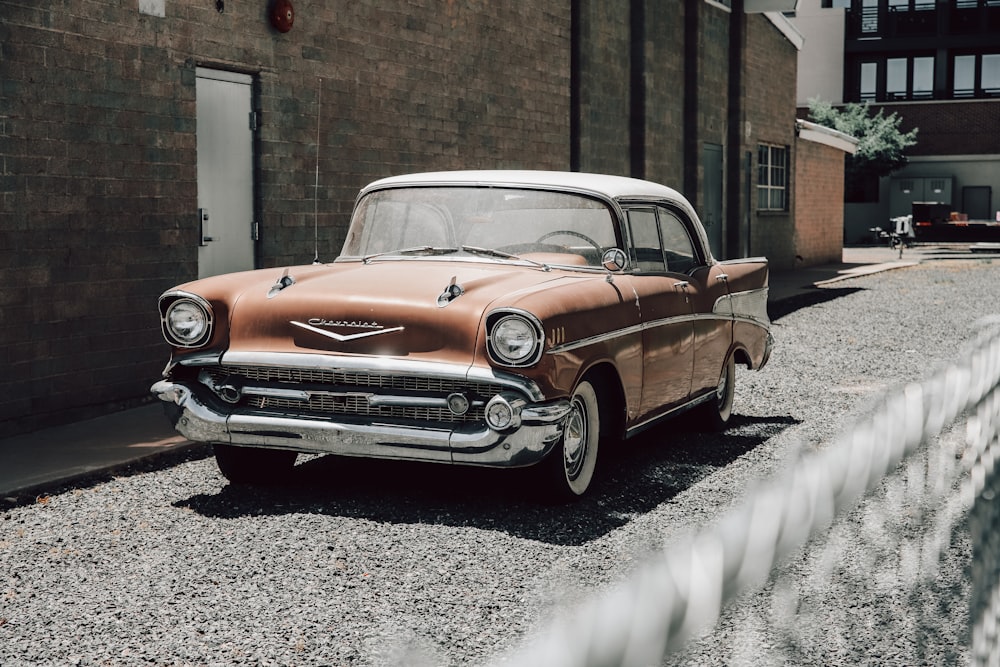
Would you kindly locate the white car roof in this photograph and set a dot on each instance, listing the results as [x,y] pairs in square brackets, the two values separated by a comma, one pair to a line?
[613,187]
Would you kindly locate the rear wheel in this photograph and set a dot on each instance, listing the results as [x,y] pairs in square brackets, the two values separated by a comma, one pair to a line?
[719,409]
[570,468]
[251,465]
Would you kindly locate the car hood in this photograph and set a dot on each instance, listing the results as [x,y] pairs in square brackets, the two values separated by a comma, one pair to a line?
[388,308]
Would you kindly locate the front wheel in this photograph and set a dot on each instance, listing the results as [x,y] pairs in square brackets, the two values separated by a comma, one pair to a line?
[252,465]
[570,468]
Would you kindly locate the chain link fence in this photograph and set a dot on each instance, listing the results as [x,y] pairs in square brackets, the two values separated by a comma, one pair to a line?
[926,454]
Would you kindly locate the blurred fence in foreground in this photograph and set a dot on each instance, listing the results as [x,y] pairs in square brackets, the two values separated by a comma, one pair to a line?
[927,451]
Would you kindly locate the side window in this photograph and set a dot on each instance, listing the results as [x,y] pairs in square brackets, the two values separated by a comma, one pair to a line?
[646,244]
[677,245]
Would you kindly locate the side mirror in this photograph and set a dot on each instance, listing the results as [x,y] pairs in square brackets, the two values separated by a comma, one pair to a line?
[614,259]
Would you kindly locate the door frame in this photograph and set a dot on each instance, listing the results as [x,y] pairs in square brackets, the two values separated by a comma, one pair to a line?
[208,70]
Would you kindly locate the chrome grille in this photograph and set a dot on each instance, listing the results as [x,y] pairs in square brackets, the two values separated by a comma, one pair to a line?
[347,393]
[354,379]
[359,408]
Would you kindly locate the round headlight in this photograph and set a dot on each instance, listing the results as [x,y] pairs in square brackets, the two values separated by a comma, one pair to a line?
[515,341]
[187,323]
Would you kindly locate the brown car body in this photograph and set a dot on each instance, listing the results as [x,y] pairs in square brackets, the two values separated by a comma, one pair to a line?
[408,352]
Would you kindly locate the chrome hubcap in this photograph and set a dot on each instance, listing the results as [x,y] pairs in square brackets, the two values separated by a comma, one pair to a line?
[575,440]
[720,391]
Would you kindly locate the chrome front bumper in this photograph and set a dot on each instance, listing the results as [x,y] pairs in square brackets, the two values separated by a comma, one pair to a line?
[199,416]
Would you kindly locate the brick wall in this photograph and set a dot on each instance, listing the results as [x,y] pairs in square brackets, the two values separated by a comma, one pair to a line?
[713,74]
[952,128]
[605,90]
[98,145]
[98,154]
[819,203]
[664,114]
[95,180]
[769,118]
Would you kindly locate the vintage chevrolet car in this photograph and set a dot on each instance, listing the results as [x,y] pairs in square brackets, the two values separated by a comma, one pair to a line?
[492,318]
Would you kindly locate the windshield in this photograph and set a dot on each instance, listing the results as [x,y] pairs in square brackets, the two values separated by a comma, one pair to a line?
[501,223]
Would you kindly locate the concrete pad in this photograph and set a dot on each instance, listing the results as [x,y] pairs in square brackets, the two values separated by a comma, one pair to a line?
[63,453]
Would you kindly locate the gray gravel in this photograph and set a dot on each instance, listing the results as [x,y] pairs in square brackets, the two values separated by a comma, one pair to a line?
[370,563]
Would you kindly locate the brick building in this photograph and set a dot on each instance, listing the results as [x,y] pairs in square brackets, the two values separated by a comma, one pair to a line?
[818,219]
[110,180]
[937,65]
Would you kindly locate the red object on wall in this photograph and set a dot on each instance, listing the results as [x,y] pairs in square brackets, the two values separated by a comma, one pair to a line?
[282,15]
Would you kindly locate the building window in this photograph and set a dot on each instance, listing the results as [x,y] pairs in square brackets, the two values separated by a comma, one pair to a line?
[991,75]
[964,79]
[772,178]
[869,82]
[894,79]
[922,83]
[975,75]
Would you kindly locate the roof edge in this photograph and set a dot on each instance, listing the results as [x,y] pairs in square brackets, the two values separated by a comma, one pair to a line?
[821,134]
[786,28]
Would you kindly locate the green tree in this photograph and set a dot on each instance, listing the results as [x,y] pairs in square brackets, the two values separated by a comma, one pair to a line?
[881,144]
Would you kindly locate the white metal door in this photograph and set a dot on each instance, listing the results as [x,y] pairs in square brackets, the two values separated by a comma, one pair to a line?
[225,172]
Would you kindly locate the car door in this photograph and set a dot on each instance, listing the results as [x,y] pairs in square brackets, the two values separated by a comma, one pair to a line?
[665,314]
[706,287]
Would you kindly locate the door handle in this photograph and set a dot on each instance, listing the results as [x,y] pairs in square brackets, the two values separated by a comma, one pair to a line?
[683,284]
[204,239]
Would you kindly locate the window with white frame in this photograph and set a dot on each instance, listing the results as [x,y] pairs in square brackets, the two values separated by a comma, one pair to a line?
[772,178]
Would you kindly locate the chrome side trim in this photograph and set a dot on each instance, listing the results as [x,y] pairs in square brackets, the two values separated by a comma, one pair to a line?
[592,340]
[653,421]
[749,306]
[636,328]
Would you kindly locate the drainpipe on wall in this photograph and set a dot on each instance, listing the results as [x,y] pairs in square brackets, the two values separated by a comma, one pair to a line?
[574,86]
[736,220]
[637,88]
[691,130]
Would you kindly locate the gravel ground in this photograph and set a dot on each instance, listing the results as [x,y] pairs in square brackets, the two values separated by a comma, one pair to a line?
[369,563]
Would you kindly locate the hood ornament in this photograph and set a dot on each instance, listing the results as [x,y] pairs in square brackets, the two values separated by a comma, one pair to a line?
[284,281]
[450,293]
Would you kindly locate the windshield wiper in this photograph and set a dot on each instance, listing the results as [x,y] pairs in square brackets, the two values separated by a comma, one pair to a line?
[415,250]
[490,252]
[472,250]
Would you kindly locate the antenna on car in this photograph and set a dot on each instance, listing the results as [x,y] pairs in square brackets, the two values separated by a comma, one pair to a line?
[319,112]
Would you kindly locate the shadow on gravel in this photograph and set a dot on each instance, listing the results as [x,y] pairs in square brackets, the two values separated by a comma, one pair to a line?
[641,475]
[778,309]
